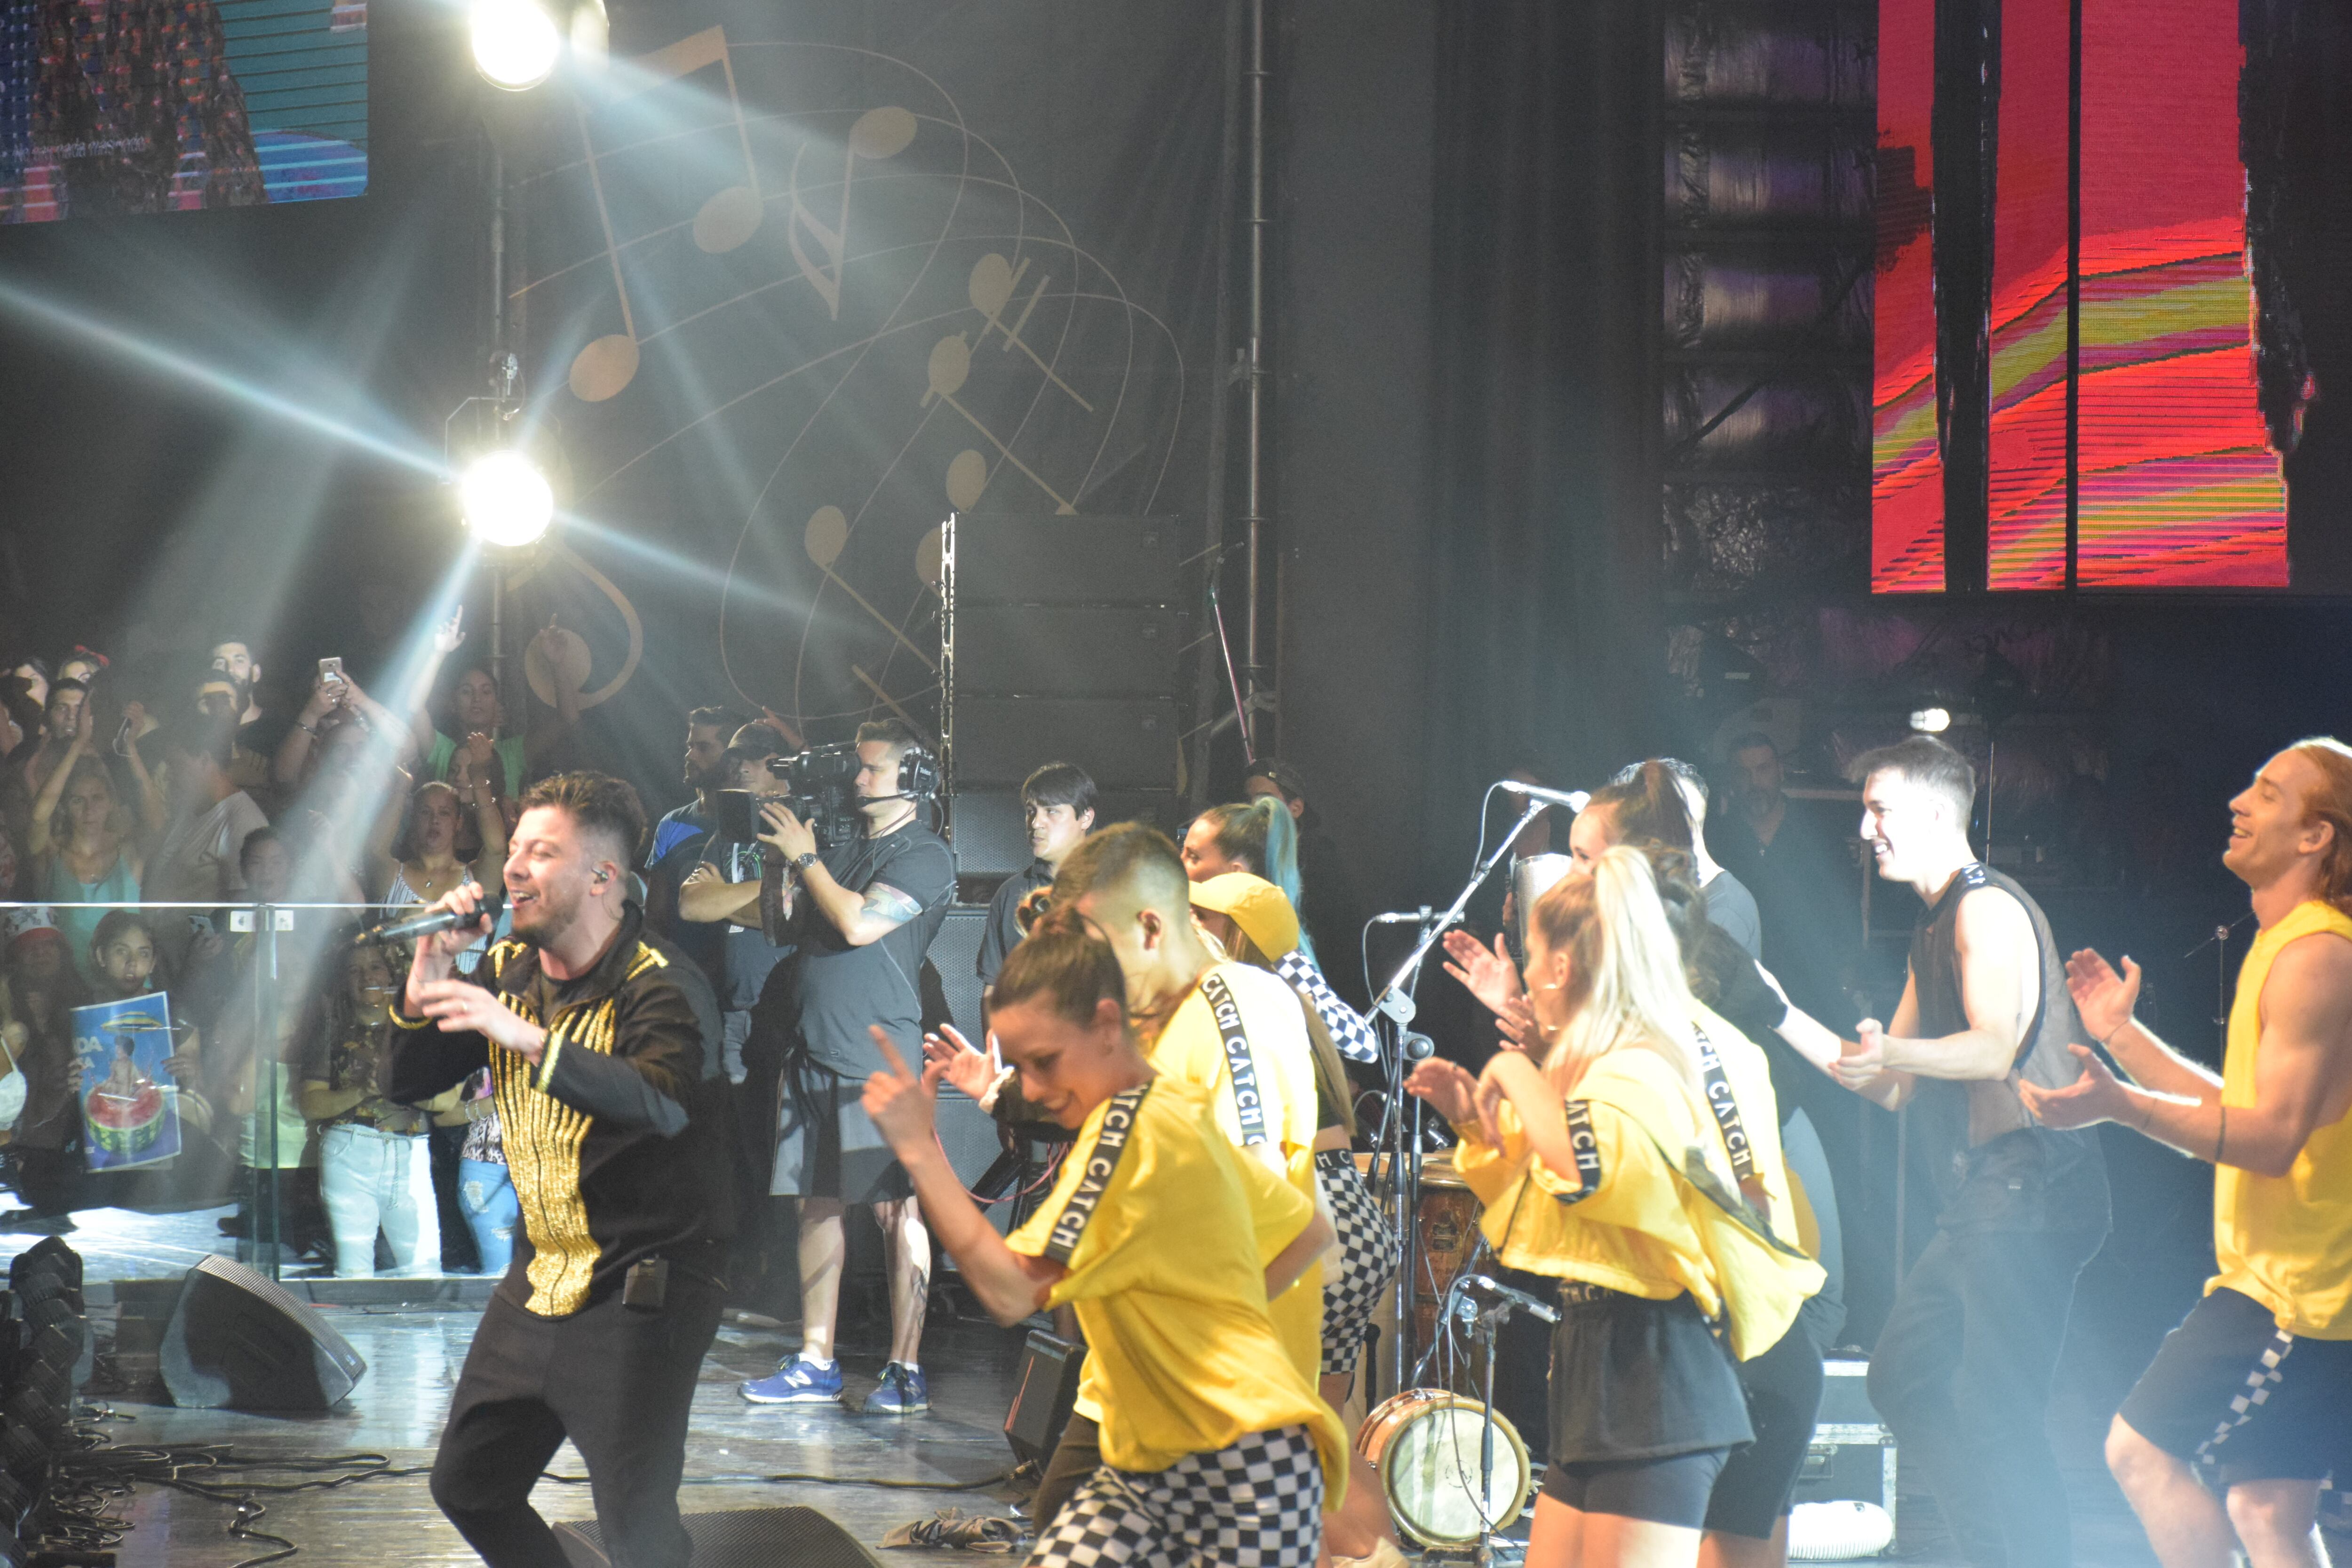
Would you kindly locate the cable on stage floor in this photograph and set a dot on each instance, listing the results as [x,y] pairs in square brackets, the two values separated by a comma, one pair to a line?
[96,1472]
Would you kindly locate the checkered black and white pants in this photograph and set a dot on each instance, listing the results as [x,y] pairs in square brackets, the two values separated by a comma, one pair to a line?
[1368,1259]
[1257,1504]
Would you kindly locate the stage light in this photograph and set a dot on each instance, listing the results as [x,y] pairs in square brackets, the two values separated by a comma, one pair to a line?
[1931,721]
[516,43]
[506,498]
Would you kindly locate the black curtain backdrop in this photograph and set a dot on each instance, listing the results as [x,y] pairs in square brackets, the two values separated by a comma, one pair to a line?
[1545,633]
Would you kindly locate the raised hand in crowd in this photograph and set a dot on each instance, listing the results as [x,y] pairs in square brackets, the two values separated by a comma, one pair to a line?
[380,720]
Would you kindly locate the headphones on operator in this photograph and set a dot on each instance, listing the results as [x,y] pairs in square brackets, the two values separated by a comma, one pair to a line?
[918,774]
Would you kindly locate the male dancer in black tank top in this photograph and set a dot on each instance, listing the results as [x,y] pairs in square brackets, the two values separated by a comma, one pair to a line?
[1962,1370]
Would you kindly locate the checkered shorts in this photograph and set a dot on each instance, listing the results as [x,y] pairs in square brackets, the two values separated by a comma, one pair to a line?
[1368,1259]
[1257,1504]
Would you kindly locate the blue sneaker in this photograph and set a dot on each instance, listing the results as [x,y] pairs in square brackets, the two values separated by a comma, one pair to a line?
[795,1382]
[902,1391]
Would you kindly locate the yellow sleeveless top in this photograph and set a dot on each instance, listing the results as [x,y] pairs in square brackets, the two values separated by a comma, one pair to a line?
[2286,1241]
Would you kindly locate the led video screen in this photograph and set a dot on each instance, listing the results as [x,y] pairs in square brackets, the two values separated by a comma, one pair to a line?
[2178,488]
[2148,427]
[1906,490]
[2026,482]
[138,106]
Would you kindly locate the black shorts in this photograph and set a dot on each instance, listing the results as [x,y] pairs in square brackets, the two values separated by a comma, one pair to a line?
[1671,1490]
[1635,1379]
[2243,1400]
[1784,1396]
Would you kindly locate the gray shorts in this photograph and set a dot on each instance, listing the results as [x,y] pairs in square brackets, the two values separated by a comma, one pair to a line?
[827,1147]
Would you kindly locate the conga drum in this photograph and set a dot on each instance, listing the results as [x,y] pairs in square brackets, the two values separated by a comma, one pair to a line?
[1449,1235]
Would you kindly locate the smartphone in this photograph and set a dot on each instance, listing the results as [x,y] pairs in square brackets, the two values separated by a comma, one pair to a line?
[332,669]
[739,816]
[122,739]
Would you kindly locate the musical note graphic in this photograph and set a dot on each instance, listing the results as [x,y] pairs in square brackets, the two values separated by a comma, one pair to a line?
[993,283]
[827,536]
[724,221]
[607,366]
[967,477]
[732,215]
[879,133]
[950,367]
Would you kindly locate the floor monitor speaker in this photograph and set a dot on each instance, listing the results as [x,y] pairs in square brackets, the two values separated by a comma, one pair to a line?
[1041,1396]
[740,1538]
[239,1338]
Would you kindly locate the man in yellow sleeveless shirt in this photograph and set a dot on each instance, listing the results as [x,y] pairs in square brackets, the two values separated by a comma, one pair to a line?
[2223,1444]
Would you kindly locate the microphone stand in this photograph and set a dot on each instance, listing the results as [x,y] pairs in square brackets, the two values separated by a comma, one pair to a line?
[1393,1009]
[1485,1323]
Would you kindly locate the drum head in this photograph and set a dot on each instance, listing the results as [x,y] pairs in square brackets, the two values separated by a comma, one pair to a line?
[1429,1470]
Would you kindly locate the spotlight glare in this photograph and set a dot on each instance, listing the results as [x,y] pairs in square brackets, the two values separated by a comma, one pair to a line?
[1931,721]
[506,498]
[515,43]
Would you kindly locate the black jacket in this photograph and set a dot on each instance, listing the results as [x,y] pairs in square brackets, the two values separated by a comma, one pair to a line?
[616,1137]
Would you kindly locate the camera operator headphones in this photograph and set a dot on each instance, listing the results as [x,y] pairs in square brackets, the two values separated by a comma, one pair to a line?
[918,774]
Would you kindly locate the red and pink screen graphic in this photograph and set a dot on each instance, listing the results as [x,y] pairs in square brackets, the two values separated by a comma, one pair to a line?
[2173,483]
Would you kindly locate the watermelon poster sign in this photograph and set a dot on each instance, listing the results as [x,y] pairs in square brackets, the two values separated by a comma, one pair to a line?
[130,1109]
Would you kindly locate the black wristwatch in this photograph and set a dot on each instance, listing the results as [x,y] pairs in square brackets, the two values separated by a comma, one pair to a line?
[804,860]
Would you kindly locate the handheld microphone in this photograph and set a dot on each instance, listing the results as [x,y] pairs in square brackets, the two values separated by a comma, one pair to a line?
[1405,916]
[1517,1298]
[1574,799]
[433,921]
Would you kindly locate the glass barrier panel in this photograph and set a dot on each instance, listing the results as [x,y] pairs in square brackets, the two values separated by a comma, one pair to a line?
[195,1080]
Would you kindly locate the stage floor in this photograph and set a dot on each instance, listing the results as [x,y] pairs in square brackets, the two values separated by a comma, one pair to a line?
[414,1356]
[414,1351]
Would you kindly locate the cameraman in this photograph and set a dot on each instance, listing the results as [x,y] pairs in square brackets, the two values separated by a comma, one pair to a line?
[865,909]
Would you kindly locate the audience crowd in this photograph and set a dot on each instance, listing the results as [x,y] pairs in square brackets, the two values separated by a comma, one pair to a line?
[139,817]
[143,814]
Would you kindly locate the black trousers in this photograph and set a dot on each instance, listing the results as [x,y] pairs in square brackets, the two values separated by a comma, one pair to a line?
[1962,1375]
[619,1382]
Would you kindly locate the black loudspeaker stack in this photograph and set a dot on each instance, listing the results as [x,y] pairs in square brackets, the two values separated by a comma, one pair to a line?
[1066,644]
[239,1338]
[45,1355]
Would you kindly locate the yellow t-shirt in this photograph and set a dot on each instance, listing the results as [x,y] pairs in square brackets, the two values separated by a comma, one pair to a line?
[1166,1228]
[1191,1049]
[1749,1073]
[2286,1241]
[1629,1217]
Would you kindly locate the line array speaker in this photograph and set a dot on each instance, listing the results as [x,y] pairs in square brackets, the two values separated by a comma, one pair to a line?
[993,836]
[1067,644]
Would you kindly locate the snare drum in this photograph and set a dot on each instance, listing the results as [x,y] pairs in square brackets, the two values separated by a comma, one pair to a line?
[1425,1445]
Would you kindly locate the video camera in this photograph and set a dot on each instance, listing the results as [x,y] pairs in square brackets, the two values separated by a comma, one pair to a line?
[820,789]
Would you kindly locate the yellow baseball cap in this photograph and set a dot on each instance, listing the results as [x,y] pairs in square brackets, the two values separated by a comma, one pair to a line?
[1256,905]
